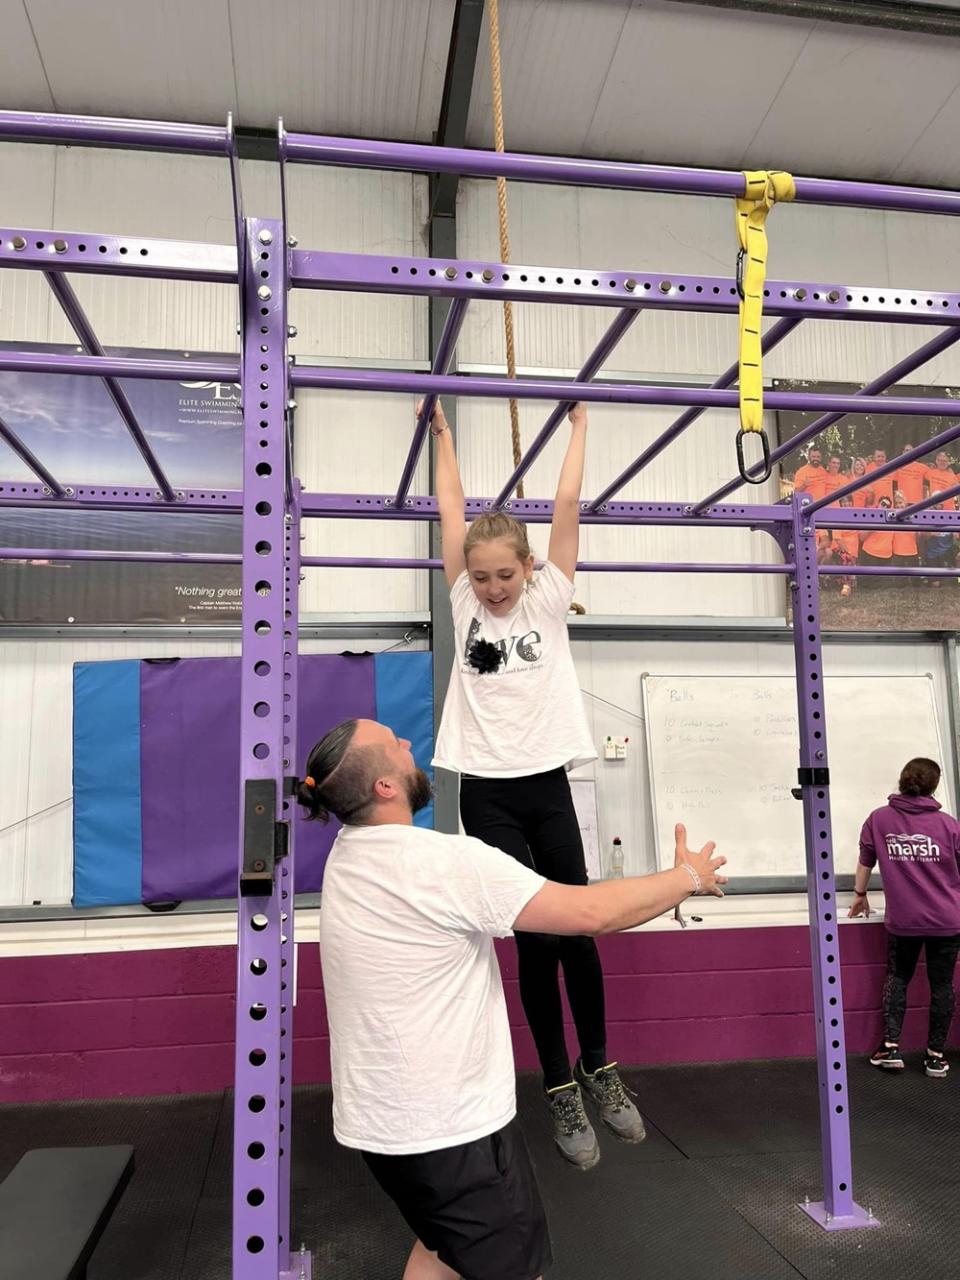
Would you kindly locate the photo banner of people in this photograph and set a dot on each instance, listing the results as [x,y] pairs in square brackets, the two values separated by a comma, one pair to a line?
[73,428]
[856,446]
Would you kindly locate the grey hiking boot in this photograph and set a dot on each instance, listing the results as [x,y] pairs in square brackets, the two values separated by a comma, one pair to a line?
[572,1131]
[606,1090]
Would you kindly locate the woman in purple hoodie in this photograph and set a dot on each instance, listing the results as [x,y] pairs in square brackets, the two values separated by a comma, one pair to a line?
[918,847]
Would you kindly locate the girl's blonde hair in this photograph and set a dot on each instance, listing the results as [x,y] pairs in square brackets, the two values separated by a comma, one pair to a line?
[493,528]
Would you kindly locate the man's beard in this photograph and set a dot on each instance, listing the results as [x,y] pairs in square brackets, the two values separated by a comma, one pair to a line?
[419,790]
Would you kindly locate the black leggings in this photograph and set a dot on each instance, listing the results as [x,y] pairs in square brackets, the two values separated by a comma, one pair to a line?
[533,820]
[903,952]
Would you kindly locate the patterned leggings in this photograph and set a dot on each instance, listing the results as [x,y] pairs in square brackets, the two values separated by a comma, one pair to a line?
[903,952]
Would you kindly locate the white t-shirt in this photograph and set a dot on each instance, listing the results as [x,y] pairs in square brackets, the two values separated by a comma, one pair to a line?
[419,1038]
[527,716]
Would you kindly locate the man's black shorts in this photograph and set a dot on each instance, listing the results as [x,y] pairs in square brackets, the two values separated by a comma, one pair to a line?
[477,1205]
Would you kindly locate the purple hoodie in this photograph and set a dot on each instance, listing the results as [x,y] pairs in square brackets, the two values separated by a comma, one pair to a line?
[918,847]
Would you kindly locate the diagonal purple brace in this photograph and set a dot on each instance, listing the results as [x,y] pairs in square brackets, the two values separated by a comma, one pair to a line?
[64,294]
[29,458]
[446,347]
[935,499]
[912,455]
[892,376]
[772,338]
[590,369]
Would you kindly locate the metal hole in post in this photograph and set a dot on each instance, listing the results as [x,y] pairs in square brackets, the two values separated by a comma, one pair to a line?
[258,1011]
[257,1057]
[262,628]
[263,548]
[258,967]
[261,669]
[255,1244]
[264,469]
[263,588]
[255,1197]
[261,751]
[257,1103]
[263,508]
[262,709]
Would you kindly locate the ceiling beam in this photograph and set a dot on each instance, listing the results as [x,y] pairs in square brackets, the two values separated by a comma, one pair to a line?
[924,19]
[455,104]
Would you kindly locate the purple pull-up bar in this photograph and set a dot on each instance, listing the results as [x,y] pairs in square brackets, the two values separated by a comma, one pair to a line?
[594,363]
[446,347]
[32,461]
[104,131]
[358,153]
[899,371]
[63,291]
[772,338]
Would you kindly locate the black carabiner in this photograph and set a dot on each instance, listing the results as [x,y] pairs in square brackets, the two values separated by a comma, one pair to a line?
[766,462]
[741,255]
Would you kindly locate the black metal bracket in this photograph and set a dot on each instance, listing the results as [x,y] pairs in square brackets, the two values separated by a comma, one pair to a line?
[261,837]
[819,777]
[290,785]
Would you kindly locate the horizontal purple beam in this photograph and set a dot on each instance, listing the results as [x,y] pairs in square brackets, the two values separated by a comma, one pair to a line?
[933,445]
[120,366]
[591,368]
[114,497]
[117,255]
[604,392]
[934,347]
[365,562]
[772,338]
[362,154]
[453,278]
[105,131]
[70,303]
[891,571]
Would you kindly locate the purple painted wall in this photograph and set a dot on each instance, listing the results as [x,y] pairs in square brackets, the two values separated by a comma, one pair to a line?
[154,1022]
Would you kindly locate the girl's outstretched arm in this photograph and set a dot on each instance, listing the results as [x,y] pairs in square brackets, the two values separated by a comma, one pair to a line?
[565,529]
[453,524]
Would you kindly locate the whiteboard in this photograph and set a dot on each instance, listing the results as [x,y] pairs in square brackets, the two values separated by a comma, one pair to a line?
[584,792]
[723,754]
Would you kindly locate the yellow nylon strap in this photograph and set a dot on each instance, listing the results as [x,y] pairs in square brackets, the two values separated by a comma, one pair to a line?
[762,190]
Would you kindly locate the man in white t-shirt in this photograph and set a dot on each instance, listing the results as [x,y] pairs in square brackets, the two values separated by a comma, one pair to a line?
[421,1056]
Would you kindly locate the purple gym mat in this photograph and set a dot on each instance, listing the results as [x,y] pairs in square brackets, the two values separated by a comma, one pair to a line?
[190,721]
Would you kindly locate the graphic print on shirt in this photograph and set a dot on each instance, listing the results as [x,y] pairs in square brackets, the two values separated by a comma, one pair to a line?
[525,648]
[911,848]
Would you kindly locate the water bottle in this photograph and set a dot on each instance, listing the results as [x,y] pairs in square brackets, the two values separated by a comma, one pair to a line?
[616,861]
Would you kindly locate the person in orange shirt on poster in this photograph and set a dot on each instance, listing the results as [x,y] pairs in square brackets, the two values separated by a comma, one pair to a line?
[858,468]
[906,550]
[843,547]
[909,480]
[812,477]
[883,487]
[835,478]
[941,477]
[877,548]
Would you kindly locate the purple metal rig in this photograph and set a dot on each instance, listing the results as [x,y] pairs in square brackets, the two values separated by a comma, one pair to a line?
[263,266]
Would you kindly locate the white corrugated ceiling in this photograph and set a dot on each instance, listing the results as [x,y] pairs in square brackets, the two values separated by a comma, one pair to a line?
[639,79]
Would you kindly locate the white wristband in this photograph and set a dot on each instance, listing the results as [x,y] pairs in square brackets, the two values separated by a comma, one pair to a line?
[694,876]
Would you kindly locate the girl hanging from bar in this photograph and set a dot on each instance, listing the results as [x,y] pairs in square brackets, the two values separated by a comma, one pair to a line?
[513,724]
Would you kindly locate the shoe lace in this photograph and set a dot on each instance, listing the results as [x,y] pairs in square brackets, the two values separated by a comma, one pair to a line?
[613,1092]
[568,1110]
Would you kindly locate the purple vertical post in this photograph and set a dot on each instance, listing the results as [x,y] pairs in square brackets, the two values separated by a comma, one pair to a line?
[291,662]
[837,1211]
[261,1245]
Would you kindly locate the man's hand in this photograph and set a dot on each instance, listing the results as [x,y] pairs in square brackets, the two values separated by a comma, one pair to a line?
[437,419]
[702,861]
[859,907]
[578,415]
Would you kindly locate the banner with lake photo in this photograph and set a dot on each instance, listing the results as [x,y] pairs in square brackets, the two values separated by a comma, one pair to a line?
[852,447]
[72,426]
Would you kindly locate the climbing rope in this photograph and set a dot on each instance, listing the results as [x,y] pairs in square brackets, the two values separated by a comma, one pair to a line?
[494,23]
[762,190]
